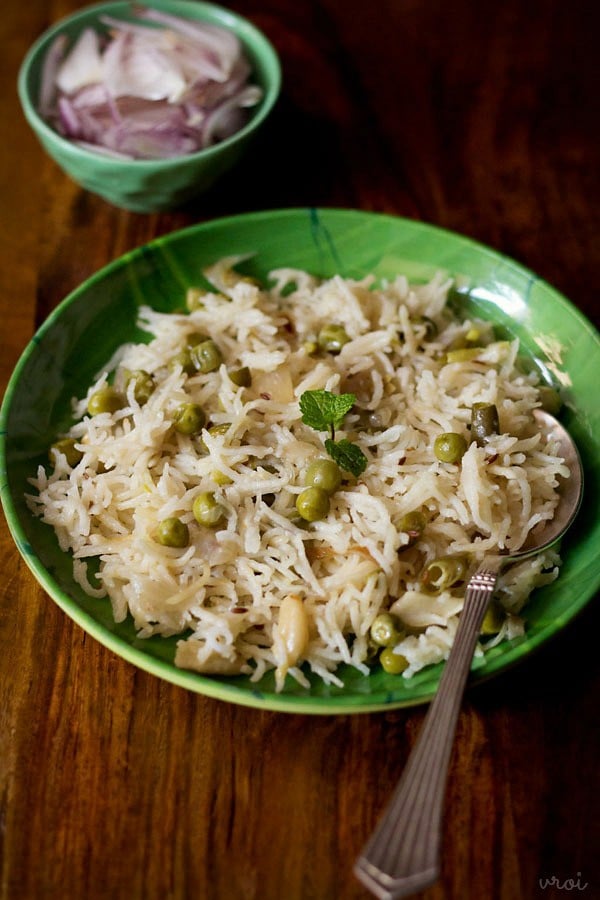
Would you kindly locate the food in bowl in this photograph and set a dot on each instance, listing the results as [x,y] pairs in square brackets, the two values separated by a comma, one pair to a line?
[154,86]
[304,475]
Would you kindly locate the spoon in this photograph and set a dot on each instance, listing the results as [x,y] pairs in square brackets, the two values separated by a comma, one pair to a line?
[403,854]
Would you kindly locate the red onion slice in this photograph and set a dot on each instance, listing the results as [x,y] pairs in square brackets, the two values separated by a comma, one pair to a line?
[52,62]
[83,65]
[227,118]
[217,40]
[135,67]
[153,88]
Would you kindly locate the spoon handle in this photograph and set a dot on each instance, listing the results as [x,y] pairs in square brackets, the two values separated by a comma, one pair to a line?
[403,854]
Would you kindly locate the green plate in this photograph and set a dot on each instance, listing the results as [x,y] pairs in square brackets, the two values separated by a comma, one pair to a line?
[82,333]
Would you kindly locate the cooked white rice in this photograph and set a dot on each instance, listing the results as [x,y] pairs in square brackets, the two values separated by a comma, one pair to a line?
[223,593]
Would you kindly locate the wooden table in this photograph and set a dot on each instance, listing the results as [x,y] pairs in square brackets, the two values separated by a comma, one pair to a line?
[478,117]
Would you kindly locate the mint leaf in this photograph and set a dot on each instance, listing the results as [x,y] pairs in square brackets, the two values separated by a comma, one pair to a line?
[347,455]
[323,410]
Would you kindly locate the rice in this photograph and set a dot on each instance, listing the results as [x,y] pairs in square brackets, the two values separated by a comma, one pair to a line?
[266,590]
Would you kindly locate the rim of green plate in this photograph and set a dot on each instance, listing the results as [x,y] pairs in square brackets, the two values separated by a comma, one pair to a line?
[247,694]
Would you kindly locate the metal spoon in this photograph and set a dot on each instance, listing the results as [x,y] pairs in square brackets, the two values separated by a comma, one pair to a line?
[403,854]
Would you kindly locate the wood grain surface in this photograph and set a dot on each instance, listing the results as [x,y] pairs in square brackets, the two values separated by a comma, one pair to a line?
[476,116]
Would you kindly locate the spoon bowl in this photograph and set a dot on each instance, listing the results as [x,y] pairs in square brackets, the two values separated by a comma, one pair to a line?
[548,533]
[403,854]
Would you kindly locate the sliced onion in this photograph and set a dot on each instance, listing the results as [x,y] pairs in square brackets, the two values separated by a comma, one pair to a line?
[227,118]
[136,67]
[52,62]
[68,118]
[103,151]
[150,131]
[91,95]
[203,95]
[218,40]
[277,386]
[157,87]
[83,65]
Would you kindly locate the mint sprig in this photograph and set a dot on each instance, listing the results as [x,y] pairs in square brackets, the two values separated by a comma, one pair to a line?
[325,411]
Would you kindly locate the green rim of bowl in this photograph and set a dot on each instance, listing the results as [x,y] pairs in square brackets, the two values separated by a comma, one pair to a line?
[254,40]
[323,241]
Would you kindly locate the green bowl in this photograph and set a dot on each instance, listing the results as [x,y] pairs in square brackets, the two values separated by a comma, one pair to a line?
[83,332]
[151,185]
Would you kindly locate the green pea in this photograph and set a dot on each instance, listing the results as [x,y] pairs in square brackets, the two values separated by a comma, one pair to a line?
[413,524]
[172,532]
[272,470]
[373,652]
[472,335]
[206,356]
[324,474]
[67,447]
[189,418]
[220,478]
[194,298]
[550,399]
[196,337]
[444,572]
[449,447]
[107,399]
[241,377]
[493,619]
[424,323]
[313,504]
[391,662]
[384,630]
[207,510]
[431,329]
[484,422]
[143,385]
[332,338]
[222,428]
[183,360]
[463,354]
